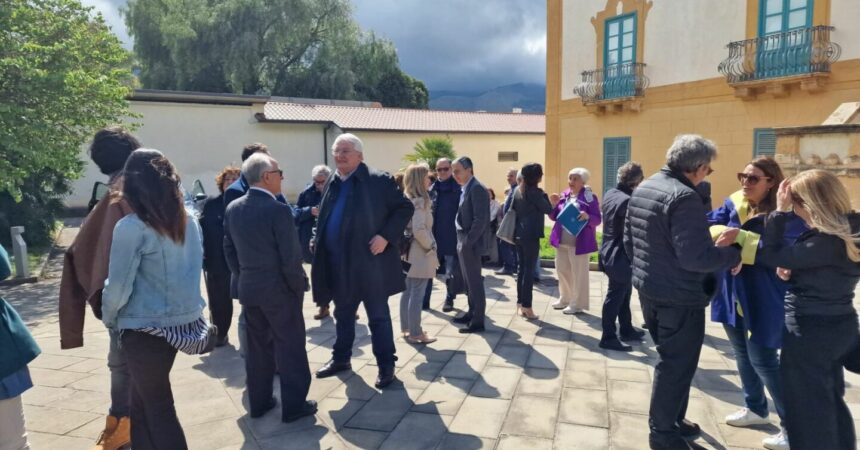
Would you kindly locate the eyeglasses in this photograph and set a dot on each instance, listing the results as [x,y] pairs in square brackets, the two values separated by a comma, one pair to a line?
[319,183]
[443,169]
[751,179]
[279,172]
[710,170]
[342,152]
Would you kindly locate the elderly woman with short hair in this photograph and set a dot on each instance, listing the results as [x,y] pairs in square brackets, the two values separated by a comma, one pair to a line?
[572,252]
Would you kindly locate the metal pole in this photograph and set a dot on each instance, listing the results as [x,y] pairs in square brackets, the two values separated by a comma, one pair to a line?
[19,249]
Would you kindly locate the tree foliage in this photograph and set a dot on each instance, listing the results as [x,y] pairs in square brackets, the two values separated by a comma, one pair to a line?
[63,74]
[431,149]
[297,48]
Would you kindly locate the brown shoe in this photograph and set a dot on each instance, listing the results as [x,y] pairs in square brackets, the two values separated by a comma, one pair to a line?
[528,313]
[422,339]
[116,435]
[323,313]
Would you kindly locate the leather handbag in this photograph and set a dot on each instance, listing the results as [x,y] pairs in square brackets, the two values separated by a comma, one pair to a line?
[508,226]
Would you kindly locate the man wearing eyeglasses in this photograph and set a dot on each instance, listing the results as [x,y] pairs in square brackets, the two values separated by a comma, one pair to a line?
[361,219]
[445,204]
[674,261]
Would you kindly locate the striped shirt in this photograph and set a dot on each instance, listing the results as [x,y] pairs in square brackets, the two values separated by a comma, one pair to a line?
[190,338]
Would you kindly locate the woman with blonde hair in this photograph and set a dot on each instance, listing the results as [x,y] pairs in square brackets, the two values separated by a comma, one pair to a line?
[421,255]
[822,268]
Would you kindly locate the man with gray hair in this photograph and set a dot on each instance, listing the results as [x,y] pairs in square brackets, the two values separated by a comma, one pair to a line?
[361,220]
[674,262]
[261,247]
[307,208]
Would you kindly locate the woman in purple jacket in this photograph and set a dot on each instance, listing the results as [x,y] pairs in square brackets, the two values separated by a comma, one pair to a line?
[572,252]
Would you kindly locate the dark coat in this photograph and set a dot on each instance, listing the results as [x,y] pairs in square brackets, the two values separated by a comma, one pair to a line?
[212,224]
[531,205]
[445,204]
[823,279]
[375,207]
[667,236]
[262,249]
[308,198]
[613,259]
[473,217]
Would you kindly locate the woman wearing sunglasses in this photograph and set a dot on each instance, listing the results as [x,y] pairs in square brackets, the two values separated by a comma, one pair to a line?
[749,301]
[823,268]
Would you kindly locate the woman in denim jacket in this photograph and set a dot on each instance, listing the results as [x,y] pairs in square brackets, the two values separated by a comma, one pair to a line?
[152,294]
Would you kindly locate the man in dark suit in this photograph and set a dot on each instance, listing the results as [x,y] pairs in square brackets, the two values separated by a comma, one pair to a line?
[615,263]
[262,248]
[473,241]
[356,256]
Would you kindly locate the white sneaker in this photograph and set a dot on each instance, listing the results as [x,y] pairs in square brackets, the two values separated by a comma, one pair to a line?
[776,442]
[559,305]
[745,418]
[572,310]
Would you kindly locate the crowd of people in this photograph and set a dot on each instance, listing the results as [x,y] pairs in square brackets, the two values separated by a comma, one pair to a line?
[777,263]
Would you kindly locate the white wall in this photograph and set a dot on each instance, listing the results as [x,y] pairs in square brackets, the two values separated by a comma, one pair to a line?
[845,16]
[201,140]
[579,42]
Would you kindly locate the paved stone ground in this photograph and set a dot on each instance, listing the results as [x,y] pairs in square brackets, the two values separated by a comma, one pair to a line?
[537,385]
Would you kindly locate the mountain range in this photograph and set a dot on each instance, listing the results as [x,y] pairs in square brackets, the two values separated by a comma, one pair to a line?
[528,96]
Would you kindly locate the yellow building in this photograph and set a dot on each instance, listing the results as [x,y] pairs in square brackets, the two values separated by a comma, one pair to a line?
[624,77]
[203,132]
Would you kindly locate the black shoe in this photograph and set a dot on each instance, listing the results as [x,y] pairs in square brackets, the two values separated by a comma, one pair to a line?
[644,326]
[673,444]
[635,335]
[261,412]
[689,429]
[614,344]
[222,341]
[385,377]
[448,307]
[332,367]
[472,329]
[465,318]
[309,409]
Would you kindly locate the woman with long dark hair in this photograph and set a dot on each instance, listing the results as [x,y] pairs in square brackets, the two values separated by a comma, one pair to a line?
[152,294]
[749,302]
[822,268]
[531,205]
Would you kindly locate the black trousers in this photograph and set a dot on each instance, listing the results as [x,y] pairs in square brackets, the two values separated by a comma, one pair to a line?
[813,350]
[679,333]
[528,251]
[154,425]
[220,303]
[276,335]
[617,306]
[470,264]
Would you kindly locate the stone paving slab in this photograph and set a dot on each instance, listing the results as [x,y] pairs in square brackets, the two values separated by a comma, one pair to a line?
[542,384]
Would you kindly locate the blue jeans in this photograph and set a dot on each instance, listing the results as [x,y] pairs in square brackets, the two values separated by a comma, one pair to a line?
[379,322]
[758,367]
[120,380]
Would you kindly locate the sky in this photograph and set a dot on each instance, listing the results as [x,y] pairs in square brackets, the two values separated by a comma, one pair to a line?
[462,45]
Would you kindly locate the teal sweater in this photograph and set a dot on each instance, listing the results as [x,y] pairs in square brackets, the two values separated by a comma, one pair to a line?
[17,346]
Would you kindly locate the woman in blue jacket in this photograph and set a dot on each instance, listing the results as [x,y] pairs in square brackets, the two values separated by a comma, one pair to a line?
[749,302]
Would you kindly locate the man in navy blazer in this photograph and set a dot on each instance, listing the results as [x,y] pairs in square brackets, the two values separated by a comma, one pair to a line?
[262,248]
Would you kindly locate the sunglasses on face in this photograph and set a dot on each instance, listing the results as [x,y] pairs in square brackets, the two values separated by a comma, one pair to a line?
[443,169]
[751,179]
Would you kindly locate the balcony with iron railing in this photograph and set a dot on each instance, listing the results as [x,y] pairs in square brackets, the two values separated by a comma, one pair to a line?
[613,87]
[774,62]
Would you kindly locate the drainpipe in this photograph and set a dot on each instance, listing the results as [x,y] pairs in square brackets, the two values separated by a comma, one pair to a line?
[325,143]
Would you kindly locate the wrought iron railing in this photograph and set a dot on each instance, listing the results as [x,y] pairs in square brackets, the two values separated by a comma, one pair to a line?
[796,52]
[615,81]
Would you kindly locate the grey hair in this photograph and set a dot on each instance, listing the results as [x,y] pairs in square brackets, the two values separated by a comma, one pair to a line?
[255,166]
[352,139]
[582,172]
[689,152]
[629,173]
[442,159]
[321,169]
[464,161]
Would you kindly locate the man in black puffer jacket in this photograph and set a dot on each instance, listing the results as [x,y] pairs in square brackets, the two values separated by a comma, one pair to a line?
[674,262]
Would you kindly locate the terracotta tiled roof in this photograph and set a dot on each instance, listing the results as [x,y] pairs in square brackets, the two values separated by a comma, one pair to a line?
[396,119]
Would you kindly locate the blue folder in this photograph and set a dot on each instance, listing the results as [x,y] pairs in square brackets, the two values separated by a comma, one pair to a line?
[568,219]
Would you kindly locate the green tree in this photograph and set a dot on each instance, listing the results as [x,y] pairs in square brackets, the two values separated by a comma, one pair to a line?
[431,149]
[63,75]
[296,48]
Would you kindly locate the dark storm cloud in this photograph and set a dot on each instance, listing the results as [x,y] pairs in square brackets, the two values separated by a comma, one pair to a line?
[450,44]
[463,44]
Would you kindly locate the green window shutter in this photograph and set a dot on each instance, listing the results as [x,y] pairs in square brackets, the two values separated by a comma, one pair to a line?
[616,152]
[764,142]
